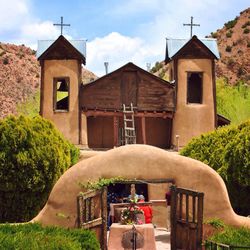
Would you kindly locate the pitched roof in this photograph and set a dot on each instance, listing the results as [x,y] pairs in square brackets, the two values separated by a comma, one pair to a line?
[174,46]
[130,64]
[78,46]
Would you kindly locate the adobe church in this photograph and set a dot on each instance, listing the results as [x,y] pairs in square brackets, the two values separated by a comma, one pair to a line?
[130,105]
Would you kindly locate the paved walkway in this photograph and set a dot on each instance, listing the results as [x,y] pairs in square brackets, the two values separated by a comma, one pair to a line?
[162,239]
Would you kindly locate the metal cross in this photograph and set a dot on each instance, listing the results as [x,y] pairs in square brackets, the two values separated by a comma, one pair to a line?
[191,24]
[61,24]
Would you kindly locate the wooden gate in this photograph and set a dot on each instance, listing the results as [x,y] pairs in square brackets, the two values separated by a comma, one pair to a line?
[92,213]
[186,219]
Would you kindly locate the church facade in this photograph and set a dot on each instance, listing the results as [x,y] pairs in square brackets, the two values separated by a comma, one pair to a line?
[165,114]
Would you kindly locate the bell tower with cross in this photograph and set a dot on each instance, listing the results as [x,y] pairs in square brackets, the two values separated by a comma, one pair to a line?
[61,69]
[192,70]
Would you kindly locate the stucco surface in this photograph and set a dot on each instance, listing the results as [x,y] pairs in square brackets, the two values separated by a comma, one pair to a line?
[67,122]
[193,119]
[141,162]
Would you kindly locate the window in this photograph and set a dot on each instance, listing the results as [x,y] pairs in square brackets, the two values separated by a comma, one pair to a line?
[194,87]
[61,94]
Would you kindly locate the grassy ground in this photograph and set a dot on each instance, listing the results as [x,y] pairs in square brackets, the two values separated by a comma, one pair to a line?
[34,236]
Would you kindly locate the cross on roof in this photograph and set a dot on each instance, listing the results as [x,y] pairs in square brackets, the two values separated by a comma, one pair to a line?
[61,24]
[191,24]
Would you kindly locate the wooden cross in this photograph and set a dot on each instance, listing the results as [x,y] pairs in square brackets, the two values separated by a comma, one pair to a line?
[61,24]
[191,24]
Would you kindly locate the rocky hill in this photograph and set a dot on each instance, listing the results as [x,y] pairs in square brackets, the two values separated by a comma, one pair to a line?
[234,46]
[20,76]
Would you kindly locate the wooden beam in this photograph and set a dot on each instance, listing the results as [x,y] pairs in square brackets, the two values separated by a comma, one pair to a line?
[143,127]
[120,114]
[115,127]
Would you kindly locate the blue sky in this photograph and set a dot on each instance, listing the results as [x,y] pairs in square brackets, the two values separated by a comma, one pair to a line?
[118,31]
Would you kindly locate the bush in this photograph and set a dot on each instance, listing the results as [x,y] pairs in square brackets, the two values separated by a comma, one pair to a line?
[246,31]
[231,24]
[227,150]
[232,236]
[228,48]
[35,237]
[5,61]
[33,155]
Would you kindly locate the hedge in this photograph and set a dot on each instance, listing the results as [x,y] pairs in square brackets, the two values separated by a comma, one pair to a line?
[34,236]
[33,155]
[227,150]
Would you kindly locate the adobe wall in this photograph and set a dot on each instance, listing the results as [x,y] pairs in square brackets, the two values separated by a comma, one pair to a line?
[191,120]
[66,122]
[140,162]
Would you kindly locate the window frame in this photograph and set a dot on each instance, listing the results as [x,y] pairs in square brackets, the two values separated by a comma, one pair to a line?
[55,81]
[201,94]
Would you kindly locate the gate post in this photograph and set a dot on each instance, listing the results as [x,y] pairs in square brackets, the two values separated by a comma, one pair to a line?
[172,216]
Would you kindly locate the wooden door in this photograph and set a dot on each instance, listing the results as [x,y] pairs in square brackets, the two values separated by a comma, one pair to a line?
[129,88]
[186,219]
[92,213]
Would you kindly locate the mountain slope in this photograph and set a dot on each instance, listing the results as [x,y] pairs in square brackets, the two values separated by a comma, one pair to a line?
[234,46]
[20,79]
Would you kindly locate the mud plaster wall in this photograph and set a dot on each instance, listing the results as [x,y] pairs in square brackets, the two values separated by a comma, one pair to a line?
[191,120]
[66,122]
[141,162]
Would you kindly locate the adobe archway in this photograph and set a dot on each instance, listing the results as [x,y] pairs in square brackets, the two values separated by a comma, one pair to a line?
[141,162]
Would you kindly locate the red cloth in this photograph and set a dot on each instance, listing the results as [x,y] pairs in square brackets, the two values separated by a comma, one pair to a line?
[148,213]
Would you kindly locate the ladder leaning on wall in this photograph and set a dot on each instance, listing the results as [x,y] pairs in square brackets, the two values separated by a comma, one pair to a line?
[129,124]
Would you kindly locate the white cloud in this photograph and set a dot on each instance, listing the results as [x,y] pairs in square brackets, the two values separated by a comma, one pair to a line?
[12,13]
[117,50]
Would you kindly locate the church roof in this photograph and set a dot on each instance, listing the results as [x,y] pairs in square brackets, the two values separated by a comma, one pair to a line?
[44,45]
[174,45]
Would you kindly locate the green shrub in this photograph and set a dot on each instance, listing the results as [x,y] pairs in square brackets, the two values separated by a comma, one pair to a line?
[231,24]
[5,61]
[35,237]
[227,150]
[33,155]
[228,48]
[232,236]
[246,31]
[214,34]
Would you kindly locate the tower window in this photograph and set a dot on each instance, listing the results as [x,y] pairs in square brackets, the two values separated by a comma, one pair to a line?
[61,94]
[194,87]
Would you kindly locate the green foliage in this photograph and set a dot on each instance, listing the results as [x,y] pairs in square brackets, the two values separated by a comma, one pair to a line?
[102,182]
[233,102]
[229,33]
[216,223]
[228,48]
[214,34]
[232,236]
[156,68]
[34,236]
[231,24]
[5,61]
[33,155]
[31,106]
[246,31]
[227,150]
[247,23]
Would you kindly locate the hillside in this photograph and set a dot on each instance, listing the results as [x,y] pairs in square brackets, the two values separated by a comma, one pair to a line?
[234,46]
[20,78]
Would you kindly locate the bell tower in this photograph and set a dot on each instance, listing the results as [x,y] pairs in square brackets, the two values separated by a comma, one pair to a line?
[61,68]
[192,69]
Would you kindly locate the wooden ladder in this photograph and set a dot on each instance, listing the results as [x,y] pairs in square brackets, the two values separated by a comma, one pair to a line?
[129,124]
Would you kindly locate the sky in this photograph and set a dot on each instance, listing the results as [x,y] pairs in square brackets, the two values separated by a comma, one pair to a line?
[117,31]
